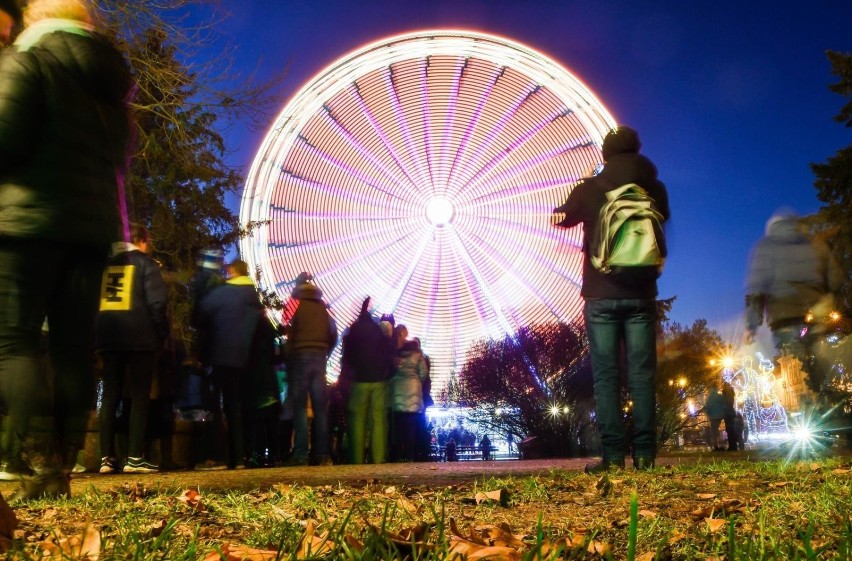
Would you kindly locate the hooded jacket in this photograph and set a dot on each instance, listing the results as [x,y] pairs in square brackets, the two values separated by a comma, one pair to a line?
[366,350]
[133,303]
[788,274]
[64,134]
[406,384]
[229,316]
[584,205]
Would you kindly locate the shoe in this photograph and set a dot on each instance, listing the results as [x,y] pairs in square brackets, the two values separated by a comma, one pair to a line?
[139,465]
[294,462]
[109,465]
[48,485]
[210,465]
[326,461]
[13,471]
[604,465]
[78,468]
[643,463]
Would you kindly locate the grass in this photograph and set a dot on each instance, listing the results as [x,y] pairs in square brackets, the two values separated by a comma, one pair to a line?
[731,510]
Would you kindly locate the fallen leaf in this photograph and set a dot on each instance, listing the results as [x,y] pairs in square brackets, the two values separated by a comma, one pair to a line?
[599,548]
[241,553]
[647,514]
[715,524]
[85,547]
[706,496]
[500,496]
[192,498]
[676,538]
[840,471]
[778,483]
[312,545]
[648,556]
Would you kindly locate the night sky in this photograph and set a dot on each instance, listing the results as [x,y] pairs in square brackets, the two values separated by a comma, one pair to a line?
[732,103]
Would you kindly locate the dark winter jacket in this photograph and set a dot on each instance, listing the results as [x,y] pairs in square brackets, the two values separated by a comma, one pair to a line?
[312,328]
[229,316]
[367,352]
[64,130]
[788,274]
[584,205]
[134,295]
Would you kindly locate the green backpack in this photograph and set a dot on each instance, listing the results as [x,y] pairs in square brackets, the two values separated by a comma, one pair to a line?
[629,243]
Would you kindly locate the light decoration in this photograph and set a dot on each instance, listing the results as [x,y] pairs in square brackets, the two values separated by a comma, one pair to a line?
[755,395]
[421,170]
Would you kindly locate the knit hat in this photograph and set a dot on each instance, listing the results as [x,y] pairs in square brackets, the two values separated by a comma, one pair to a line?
[11,7]
[211,259]
[620,140]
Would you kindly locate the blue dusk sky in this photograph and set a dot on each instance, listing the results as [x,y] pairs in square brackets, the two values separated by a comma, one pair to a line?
[731,100]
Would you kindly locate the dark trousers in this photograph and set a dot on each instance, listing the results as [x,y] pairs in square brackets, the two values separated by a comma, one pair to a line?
[404,435]
[59,282]
[614,325]
[229,382]
[137,368]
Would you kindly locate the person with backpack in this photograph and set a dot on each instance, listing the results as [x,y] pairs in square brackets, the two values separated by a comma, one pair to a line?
[620,292]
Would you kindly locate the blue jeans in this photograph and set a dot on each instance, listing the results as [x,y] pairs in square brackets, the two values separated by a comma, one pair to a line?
[613,325]
[306,376]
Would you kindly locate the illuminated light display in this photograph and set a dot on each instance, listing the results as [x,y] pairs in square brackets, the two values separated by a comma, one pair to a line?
[421,170]
[756,398]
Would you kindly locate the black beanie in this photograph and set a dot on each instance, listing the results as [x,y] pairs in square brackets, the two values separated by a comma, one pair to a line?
[620,140]
[11,7]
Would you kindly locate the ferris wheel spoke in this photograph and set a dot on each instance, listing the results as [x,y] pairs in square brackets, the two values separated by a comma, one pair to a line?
[404,281]
[481,284]
[449,125]
[345,167]
[402,122]
[355,91]
[474,122]
[365,152]
[511,111]
[525,281]
[509,175]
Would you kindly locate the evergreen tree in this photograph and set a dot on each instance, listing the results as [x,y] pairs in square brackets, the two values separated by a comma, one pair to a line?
[834,182]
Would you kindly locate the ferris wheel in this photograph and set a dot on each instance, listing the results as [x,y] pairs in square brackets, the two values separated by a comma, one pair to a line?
[421,170]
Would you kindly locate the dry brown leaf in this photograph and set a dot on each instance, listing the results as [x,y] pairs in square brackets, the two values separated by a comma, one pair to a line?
[500,496]
[676,538]
[8,520]
[495,553]
[779,483]
[647,556]
[85,547]
[241,553]
[312,545]
[706,496]
[500,535]
[840,471]
[648,514]
[599,548]
[715,524]
[192,499]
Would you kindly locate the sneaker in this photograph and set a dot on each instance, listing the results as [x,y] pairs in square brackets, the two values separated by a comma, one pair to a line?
[138,465]
[109,465]
[604,465]
[78,468]
[210,465]
[13,471]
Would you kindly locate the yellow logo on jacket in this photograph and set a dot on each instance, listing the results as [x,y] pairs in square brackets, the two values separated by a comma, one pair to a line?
[117,288]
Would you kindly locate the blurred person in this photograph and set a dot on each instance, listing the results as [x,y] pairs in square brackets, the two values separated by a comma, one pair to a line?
[230,315]
[789,276]
[367,354]
[132,328]
[311,337]
[729,408]
[714,407]
[405,389]
[262,407]
[485,447]
[620,314]
[65,132]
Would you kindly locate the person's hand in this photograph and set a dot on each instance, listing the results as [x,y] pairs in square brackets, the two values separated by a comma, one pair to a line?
[748,337]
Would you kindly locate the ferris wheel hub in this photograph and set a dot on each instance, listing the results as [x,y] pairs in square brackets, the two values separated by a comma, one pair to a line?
[439,211]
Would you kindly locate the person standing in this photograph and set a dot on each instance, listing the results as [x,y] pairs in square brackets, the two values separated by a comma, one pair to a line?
[367,356]
[729,408]
[311,337]
[132,327]
[405,388]
[714,407]
[230,315]
[65,132]
[620,312]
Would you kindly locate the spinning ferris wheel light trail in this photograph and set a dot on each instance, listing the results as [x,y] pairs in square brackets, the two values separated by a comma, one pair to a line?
[421,170]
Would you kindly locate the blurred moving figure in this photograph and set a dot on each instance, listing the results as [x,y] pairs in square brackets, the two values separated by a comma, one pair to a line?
[789,277]
[64,136]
